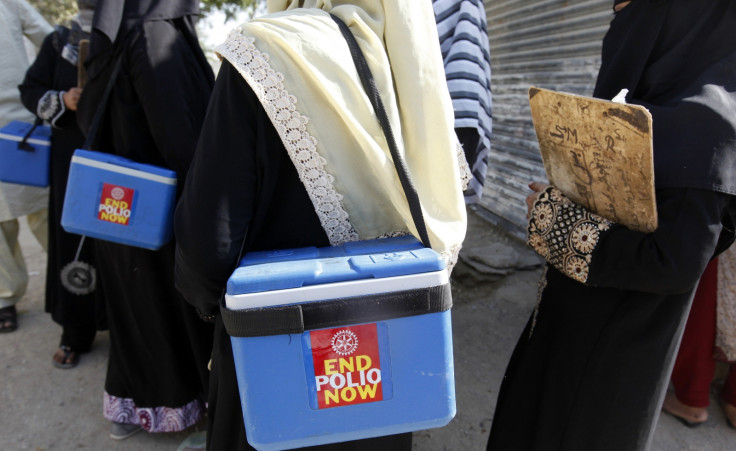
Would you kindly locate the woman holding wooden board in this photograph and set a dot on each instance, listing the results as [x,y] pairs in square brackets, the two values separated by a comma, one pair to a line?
[591,368]
[51,91]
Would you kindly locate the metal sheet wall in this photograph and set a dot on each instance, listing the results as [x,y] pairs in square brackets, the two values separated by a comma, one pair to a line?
[551,44]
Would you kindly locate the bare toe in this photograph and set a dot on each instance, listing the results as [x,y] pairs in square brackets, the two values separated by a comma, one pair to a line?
[690,416]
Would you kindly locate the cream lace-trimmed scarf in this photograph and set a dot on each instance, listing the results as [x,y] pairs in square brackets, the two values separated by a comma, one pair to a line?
[297,62]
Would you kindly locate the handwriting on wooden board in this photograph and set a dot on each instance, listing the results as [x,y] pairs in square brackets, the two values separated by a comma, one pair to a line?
[598,153]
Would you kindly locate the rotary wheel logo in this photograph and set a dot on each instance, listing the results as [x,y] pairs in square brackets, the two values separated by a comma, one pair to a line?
[344,342]
[117,193]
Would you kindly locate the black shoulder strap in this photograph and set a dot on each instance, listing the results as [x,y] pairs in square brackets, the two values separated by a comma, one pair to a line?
[92,133]
[369,84]
[297,318]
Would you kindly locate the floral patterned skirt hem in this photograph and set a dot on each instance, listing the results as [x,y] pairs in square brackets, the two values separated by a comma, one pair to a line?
[153,419]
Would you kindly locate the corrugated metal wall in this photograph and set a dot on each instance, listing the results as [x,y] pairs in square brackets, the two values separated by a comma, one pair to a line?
[551,44]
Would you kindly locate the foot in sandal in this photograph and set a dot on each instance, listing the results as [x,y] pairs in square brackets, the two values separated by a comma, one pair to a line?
[65,358]
[8,319]
[687,415]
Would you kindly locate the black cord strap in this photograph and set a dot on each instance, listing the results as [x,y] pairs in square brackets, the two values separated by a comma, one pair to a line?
[96,124]
[296,318]
[369,84]
[92,133]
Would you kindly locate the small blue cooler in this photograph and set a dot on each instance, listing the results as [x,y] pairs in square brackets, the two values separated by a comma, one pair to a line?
[115,199]
[25,162]
[341,343]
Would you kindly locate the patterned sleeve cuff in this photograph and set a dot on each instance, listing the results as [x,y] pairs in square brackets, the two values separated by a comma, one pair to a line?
[564,233]
[51,106]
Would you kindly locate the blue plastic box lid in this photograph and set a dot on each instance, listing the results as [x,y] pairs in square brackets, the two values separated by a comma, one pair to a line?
[401,243]
[294,268]
[16,130]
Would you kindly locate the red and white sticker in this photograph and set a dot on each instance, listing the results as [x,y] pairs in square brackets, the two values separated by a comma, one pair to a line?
[116,204]
[347,365]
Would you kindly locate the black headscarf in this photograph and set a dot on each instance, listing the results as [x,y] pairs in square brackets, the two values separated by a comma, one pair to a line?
[678,59]
[115,18]
[113,23]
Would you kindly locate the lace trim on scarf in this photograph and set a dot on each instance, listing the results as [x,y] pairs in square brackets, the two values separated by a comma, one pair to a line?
[153,419]
[564,233]
[51,106]
[301,146]
[394,234]
[451,256]
[462,163]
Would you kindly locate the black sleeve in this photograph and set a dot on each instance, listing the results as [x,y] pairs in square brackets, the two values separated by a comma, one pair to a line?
[217,203]
[672,258]
[592,250]
[38,93]
[173,92]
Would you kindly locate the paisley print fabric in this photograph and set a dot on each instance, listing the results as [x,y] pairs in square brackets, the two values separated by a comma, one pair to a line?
[564,233]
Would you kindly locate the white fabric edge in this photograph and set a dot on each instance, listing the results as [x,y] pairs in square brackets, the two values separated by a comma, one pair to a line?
[313,293]
[253,65]
[125,171]
[19,138]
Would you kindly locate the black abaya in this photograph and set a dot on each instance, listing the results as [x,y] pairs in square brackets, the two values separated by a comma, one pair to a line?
[80,314]
[157,371]
[243,192]
[591,369]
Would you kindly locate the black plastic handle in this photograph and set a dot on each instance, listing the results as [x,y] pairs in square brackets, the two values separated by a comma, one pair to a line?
[23,144]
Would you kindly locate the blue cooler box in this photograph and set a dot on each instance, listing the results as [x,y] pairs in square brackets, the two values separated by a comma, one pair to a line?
[341,343]
[115,199]
[26,164]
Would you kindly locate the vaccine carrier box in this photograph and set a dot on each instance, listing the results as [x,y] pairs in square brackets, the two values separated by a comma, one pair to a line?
[25,161]
[341,343]
[115,199]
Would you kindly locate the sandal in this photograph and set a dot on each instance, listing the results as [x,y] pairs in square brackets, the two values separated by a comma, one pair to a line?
[121,431]
[8,319]
[69,358]
[729,411]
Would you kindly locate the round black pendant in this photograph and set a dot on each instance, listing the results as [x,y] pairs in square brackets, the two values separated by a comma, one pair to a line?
[79,278]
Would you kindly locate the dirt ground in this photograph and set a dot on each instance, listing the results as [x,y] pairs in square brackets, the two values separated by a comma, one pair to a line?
[494,287]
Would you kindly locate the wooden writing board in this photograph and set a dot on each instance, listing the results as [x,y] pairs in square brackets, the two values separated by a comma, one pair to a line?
[81,72]
[599,154]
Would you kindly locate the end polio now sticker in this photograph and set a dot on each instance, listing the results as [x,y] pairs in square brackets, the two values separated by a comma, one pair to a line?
[116,204]
[347,365]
